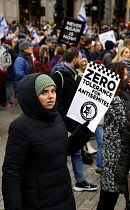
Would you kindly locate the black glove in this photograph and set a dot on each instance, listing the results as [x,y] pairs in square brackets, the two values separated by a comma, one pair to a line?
[122,188]
[84,128]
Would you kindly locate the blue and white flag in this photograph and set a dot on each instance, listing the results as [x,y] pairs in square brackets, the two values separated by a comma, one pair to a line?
[3,27]
[34,34]
[82,16]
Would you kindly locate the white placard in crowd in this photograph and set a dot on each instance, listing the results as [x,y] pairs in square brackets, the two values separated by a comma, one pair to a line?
[94,95]
[109,35]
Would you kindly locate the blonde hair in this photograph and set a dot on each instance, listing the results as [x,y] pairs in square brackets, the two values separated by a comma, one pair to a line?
[119,55]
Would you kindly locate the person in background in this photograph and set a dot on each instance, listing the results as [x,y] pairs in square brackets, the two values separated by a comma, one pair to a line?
[108,54]
[23,64]
[98,48]
[87,148]
[123,165]
[17,41]
[3,87]
[67,80]
[35,172]
[99,132]
[41,63]
[83,65]
[51,43]
[114,121]
[123,55]
[3,81]
[58,53]
[10,74]
[85,46]
[127,42]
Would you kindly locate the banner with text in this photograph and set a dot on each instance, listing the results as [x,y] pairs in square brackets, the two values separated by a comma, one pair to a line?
[94,95]
[71,30]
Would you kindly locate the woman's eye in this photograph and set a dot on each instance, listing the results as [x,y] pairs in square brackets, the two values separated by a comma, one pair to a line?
[43,92]
[54,91]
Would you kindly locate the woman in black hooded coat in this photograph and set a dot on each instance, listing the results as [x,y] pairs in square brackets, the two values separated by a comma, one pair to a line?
[35,173]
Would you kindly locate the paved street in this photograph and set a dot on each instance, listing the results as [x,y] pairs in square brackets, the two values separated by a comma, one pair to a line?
[84,200]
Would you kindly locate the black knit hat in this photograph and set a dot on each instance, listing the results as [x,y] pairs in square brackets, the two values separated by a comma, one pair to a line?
[109,45]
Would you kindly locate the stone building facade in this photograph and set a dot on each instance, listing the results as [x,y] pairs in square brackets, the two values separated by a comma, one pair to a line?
[11,10]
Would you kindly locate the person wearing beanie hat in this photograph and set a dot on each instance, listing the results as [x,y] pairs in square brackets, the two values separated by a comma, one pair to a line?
[109,45]
[23,64]
[21,36]
[24,44]
[108,54]
[43,81]
[45,90]
[99,62]
[35,168]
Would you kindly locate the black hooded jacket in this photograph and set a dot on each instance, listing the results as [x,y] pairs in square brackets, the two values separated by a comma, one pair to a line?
[35,173]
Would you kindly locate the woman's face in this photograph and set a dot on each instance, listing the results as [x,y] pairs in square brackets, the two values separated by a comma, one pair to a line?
[29,50]
[45,54]
[48,97]
[98,46]
[126,53]
[83,64]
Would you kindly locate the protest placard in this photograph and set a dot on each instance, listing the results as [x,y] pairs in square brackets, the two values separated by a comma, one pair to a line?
[94,95]
[71,30]
[109,35]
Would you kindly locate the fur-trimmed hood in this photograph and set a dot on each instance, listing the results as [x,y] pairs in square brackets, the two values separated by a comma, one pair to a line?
[39,52]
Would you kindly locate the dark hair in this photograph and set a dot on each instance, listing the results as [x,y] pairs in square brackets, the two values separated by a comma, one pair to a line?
[70,54]
[118,68]
[86,40]
[59,50]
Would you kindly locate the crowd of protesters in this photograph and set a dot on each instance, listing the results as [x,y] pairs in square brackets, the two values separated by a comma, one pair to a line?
[44,54]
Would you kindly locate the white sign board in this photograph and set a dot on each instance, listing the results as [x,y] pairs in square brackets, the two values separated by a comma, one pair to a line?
[109,35]
[94,95]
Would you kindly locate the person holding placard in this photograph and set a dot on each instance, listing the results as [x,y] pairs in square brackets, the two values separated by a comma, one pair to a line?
[67,80]
[35,172]
[114,121]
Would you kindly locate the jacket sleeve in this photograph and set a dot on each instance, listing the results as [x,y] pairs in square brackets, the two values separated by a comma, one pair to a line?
[13,167]
[123,165]
[19,68]
[79,138]
[107,59]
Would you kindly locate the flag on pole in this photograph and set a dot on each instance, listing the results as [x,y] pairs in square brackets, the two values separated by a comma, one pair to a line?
[82,16]
[33,31]
[3,27]
[34,34]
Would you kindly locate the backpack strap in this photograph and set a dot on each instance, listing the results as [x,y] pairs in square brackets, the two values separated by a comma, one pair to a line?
[61,78]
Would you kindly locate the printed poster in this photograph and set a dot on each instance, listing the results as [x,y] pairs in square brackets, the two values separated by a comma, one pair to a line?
[109,35]
[94,95]
[71,30]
